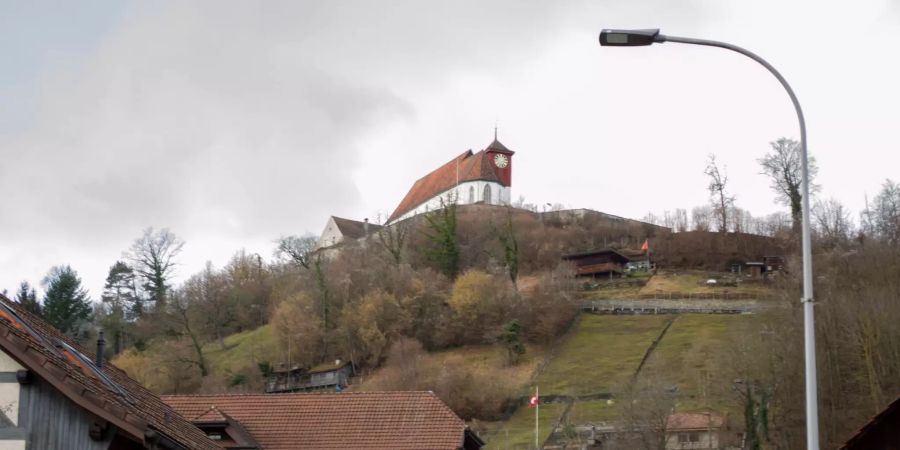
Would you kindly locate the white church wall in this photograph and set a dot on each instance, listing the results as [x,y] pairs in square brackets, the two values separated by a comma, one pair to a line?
[500,195]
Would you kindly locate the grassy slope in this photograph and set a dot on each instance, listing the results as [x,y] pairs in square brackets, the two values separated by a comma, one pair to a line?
[600,355]
[244,351]
[478,358]
[694,282]
[520,428]
[686,358]
[593,412]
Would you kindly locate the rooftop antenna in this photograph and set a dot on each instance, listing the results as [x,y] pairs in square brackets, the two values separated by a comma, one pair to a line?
[495,129]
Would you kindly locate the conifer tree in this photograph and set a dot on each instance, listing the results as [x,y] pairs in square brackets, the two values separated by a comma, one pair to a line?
[27,297]
[66,303]
[120,303]
[444,250]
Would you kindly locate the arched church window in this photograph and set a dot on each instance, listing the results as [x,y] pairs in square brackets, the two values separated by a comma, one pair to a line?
[471,194]
[487,194]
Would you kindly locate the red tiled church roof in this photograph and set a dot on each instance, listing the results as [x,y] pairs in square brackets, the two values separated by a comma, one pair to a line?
[358,420]
[472,167]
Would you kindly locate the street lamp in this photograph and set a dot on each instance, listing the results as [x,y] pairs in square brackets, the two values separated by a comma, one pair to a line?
[632,38]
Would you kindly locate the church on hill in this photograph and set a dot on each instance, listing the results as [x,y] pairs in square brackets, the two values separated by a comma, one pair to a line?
[472,177]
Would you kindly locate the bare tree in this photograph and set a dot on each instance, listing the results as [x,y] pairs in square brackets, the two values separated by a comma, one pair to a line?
[206,292]
[298,249]
[700,216]
[681,220]
[881,218]
[718,192]
[645,408]
[392,238]
[153,258]
[784,166]
[832,222]
[183,315]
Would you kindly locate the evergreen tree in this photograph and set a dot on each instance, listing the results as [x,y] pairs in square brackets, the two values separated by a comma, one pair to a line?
[120,292]
[27,297]
[444,251]
[66,303]
[120,303]
[511,338]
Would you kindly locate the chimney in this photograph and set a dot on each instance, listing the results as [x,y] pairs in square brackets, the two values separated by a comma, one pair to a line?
[366,226]
[100,344]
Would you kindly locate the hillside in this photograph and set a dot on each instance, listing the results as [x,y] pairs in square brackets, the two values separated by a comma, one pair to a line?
[582,373]
[601,356]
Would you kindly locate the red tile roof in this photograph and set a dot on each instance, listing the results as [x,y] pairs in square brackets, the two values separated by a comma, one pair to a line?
[472,167]
[358,420]
[107,393]
[210,415]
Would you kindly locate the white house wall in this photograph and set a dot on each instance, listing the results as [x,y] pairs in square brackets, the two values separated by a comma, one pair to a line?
[9,391]
[500,195]
[330,236]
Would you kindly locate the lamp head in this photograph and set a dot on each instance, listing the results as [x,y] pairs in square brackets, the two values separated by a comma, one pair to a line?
[630,38]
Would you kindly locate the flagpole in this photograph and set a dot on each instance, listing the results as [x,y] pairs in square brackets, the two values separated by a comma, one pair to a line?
[537,408]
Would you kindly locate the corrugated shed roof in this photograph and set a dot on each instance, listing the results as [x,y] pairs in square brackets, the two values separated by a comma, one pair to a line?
[358,420]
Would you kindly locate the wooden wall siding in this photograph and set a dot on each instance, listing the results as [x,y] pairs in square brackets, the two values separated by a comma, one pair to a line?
[53,421]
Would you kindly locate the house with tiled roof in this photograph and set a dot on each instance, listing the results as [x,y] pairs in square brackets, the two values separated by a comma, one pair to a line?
[693,430]
[55,394]
[339,230]
[471,177]
[358,420]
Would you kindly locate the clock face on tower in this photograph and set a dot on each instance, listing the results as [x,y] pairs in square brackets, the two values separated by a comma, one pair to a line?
[501,161]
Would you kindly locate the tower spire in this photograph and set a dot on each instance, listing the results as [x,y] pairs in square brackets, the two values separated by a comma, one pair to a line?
[495,130]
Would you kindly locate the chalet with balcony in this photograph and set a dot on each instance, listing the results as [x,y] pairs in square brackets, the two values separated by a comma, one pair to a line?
[605,262]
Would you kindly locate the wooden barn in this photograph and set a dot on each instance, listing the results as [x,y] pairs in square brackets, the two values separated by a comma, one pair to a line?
[605,262]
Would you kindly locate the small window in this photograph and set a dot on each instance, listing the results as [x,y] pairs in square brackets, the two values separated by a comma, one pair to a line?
[471,194]
[487,194]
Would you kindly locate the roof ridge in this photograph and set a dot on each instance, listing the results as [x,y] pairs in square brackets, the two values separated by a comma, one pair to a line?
[273,394]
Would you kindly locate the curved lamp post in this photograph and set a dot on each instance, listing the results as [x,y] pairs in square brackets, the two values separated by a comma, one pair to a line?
[632,38]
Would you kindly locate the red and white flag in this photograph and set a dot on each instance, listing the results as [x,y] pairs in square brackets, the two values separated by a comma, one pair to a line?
[534,400]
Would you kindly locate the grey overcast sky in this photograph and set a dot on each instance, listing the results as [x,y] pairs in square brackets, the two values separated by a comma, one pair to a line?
[233,123]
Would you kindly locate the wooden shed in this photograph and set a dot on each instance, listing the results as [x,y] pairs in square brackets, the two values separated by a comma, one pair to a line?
[597,263]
